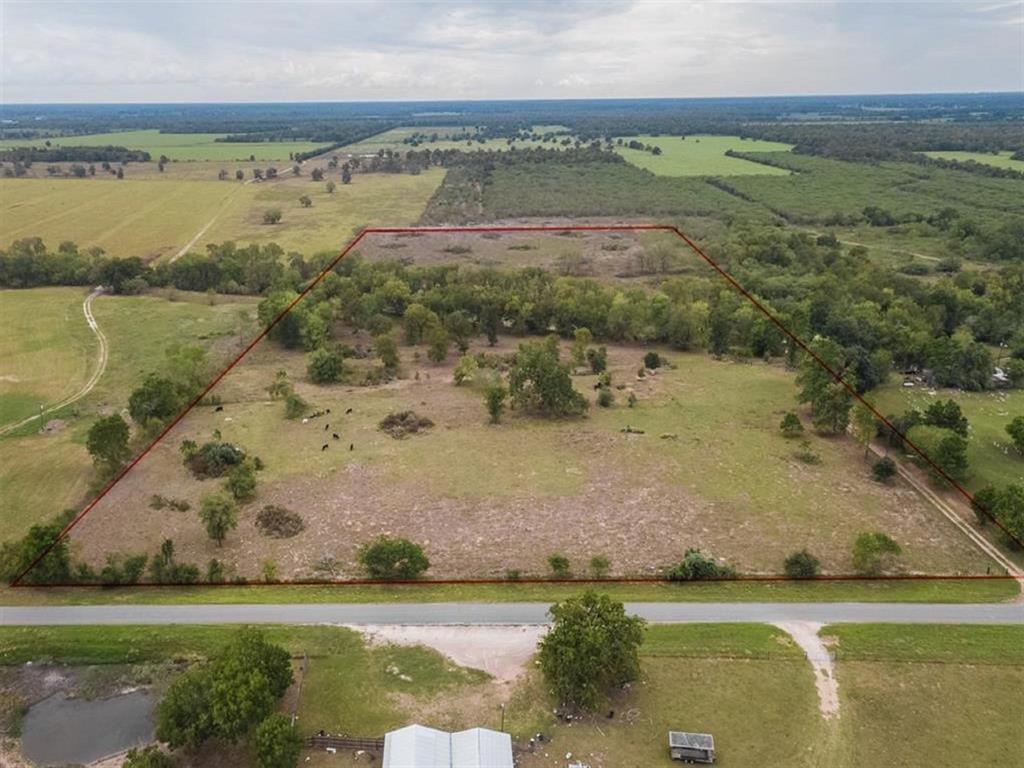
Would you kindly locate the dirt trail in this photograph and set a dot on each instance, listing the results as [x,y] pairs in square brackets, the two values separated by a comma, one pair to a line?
[805,633]
[101,366]
[501,651]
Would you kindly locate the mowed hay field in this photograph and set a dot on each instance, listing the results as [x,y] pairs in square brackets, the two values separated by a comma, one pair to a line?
[176,146]
[46,350]
[43,474]
[999,160]
[701,155]
[710,471]
[157,215]
[992,457]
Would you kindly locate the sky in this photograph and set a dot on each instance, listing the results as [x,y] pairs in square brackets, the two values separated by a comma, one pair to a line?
[354,51]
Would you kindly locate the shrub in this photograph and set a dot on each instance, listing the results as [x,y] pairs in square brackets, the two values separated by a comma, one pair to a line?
[295,407]
[219,514]
[599,566]
[214,459]
[884,469]
[215,571]
[278,522]
[697,567]
[605,397]
[791,425]
[539,381]
[494,398]
[598,359]
[241,483]
[150,757]
[806,454]
[325,366]
[268,570]
[802,565]
[277,743]
[393,559]
[1015,429]
[874,553]
[273,216]
[465,370]
[559,565]
[652,360]
[123,569]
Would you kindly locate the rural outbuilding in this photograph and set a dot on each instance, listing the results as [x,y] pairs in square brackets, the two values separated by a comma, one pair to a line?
[691,747]
[417,746]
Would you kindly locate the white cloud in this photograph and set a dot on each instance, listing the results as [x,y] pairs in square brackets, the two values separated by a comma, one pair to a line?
[358,51]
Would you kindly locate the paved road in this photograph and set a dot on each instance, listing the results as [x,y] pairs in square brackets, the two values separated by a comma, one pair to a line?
[509,613]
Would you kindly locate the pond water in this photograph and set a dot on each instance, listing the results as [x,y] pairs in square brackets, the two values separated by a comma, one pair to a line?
[60,730]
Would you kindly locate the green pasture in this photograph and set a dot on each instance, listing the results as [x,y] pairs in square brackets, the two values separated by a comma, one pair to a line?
[176,146]
[993,459]
[47,351]
[701,155]
[394,140]
[997,160]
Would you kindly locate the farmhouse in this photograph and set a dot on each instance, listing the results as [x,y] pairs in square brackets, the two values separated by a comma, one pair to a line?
[417,746]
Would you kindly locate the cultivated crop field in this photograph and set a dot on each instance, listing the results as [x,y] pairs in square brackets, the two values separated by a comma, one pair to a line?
[176,146]
[701,155]
[697,461]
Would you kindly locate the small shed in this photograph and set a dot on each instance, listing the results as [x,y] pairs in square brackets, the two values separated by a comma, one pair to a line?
[417,746]
[691,747]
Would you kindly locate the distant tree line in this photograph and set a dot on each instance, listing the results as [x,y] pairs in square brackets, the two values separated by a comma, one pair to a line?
[109,154]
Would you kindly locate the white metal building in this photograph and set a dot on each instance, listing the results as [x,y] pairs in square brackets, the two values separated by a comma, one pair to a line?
[417,746]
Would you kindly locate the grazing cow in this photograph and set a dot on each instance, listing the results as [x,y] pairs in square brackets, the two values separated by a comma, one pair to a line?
[324,447]
[335,436]
[328,410]
[326,426]
[348,411]
[351,446]
[218,409]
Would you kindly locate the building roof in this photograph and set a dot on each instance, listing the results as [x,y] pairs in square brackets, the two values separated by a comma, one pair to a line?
[417,746]
[681,739]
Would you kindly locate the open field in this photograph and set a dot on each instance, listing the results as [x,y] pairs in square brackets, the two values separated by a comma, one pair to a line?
[42,474]
[701,155]
[394,140]
[726,482]
[46,351]
[156,215]
[756,691]
[1000,160]
[990,452]
[176,146]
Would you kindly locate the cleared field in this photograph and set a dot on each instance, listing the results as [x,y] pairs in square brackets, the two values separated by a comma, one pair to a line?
[332,220]
[1000,160]
[394,140]
[40,475]
[137,217]
[176,146]
[723,479]
[701,155]
[46,351]
[991,454]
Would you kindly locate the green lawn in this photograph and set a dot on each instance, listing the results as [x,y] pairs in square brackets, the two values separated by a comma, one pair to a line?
[990,452]
[1000,160]
[177,146]
[701,155]
[47,351]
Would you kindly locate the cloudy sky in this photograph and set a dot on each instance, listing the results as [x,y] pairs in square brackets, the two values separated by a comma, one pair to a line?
[353,51]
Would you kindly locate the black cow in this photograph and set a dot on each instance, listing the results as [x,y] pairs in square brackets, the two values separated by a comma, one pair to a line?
[324,447]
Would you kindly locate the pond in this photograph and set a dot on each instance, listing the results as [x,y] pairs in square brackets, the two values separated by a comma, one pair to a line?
[60,730]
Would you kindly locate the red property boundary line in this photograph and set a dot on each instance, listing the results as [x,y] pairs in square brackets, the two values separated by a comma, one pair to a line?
[17,581]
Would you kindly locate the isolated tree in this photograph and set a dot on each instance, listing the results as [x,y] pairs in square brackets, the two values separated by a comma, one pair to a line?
[437,340]
[330,187]
[239,175]
[219,514]
[652,360]
[418,320]
[325,366]
[241,482]
[156,399]
[864,427]
[802,565]
[559,565]
[280,387]
[539,381]
[305,201]
[1015,429]
[494,399]
[387,350]
[598,359]
[581,339]
[277,743]
[830,400]
[946,414]
[393,559]
[273,216]
[222,175]
[346,174]
[465,370]
[874,553]
[592,647]
[107,443]
[317,174]
[791,426]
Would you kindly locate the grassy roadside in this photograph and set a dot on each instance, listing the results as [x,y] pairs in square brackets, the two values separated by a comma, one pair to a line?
[911,591]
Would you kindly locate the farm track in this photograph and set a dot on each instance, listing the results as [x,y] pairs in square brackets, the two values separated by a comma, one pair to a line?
[89,385]
[949,510]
